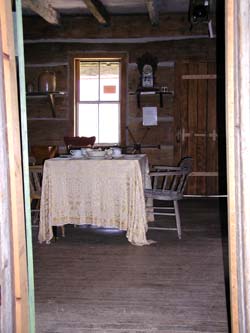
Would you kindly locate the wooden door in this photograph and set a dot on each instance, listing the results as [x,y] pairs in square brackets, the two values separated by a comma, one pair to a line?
[196,124]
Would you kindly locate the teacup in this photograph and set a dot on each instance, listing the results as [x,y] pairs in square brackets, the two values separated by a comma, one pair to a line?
[76,153]
[109,152]
[84,151]
[116,151]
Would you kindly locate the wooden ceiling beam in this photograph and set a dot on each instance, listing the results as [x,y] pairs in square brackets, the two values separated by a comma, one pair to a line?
[43,9]
[98,11]
[153,11]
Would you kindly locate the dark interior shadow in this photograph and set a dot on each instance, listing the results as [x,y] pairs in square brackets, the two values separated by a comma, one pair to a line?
[221,124]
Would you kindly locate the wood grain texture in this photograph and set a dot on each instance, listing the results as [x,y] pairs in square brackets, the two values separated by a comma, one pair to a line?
[201,140]
[153,11]
[93,281]
[172,50]
[13,162]
[196,115]
[98,10]
[191,125]
[44,9]
[120,26]
[212,128]
[46,52]
[7,313]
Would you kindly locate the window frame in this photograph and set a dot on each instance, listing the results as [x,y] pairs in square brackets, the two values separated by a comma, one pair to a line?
[98,102]
[123,59]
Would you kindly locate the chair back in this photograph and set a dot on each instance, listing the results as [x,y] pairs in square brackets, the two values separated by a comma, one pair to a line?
[42,153]
[172,179]
[36,176]
[72,142]
[185,169]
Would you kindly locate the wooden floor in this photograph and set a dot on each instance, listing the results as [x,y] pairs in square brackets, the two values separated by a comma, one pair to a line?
[95,281]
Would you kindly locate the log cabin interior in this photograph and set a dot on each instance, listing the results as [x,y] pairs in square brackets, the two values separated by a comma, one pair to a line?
[93,280]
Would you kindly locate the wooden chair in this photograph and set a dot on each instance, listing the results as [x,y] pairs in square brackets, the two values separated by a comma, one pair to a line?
[168,184]
[42,153]
[74,142]
[36,176]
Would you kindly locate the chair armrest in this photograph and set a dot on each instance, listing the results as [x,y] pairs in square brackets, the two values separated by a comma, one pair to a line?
[165,168]
[166,173]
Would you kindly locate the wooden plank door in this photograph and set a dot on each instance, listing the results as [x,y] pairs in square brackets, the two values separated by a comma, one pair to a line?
[196,124]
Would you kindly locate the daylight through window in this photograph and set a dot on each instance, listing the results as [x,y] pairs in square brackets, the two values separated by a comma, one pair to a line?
[98,100]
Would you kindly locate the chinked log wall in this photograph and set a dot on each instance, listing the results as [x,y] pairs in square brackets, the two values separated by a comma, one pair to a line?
[49,47]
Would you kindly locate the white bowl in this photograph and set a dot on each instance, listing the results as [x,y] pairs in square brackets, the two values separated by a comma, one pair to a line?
[96,153]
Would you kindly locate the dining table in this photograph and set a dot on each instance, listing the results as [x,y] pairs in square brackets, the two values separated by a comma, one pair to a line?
[105,192]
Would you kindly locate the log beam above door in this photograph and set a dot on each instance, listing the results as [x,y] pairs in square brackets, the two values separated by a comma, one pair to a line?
[43,9]
[98,10]
[153,11]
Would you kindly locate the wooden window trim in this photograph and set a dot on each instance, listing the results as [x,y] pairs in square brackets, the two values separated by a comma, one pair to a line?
[123,58]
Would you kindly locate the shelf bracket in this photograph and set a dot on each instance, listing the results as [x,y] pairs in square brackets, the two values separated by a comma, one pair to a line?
[160,93]
[52,105]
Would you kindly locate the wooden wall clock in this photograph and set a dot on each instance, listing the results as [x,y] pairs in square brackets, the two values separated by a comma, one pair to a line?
[147,66]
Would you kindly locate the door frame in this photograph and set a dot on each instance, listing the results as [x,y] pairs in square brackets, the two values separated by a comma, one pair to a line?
[237,18]
[14,282]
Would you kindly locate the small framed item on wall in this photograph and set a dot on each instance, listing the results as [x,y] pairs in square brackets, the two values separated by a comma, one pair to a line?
[149,116]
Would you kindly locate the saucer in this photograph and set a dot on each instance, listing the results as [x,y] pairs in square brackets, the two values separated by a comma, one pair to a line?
[116,157]
[72,156]
[64,156]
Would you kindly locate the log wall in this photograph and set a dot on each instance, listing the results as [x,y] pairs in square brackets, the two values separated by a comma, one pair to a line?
[48,47]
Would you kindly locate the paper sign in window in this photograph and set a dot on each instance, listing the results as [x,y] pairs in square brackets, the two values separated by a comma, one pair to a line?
[109,89]
[149,116]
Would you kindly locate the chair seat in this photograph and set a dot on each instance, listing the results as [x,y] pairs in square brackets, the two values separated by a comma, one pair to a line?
[162,195]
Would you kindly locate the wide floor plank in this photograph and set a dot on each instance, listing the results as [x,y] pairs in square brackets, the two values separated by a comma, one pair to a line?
[95,281]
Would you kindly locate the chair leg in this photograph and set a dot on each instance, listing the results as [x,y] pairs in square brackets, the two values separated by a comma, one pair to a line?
[54,228]
[178,220]
[63,231]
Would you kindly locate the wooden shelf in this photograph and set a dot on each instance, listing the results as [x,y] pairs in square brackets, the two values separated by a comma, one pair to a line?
[158,92]
[49,94]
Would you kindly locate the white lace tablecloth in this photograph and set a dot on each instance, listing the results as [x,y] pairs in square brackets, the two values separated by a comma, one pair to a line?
[106,193]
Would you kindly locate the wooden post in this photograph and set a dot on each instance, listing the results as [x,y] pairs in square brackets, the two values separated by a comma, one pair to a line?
[6,265]
[25,160]
[238,156]
[13,168]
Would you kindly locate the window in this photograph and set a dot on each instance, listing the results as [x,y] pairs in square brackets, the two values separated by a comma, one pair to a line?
[98,105]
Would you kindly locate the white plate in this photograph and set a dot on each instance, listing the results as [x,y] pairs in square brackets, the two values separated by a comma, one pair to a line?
[117,157]
[77,157]
[64,156]
[101,154]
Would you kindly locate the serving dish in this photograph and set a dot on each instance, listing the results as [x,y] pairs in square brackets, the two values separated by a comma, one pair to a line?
[96,153]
